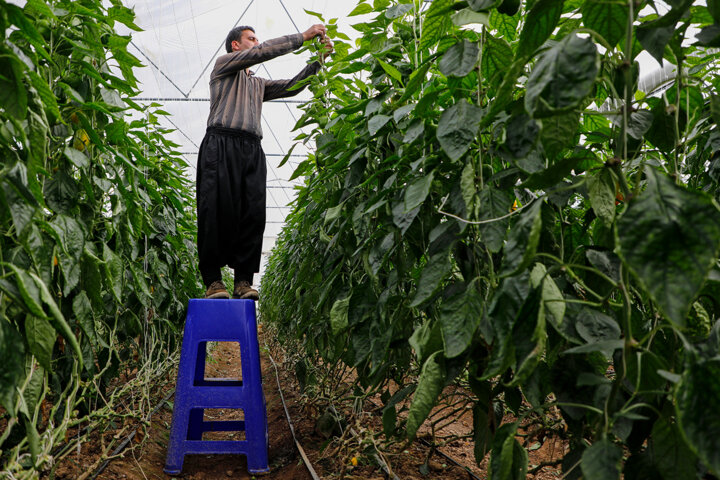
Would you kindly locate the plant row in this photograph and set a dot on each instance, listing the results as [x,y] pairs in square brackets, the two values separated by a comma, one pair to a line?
[497,200]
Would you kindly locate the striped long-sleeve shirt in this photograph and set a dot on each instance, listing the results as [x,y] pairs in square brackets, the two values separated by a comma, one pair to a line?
[236,95]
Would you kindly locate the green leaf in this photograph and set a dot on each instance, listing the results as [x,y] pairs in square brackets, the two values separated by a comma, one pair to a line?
[28,290]
[459,318]
[654,39]
[523,240]
[403,111]
[601,188]
[55,314]
[403,219]
[315,14]
[436,23]
[672,455]
[467,16]
[397,11]
[414,131]
[82,310]
[418,191]
[12,354]
[426,340]
[601,461]
[376,122]
[497,57]
[430,384]
[508,459]
[563,77]
[509,7]
[480,5]
[339,315]
[715,105]
[113,272]
[467,184]
[551,175]
[457,128]
[287,155]
[361,9]
[607,17]
[494,204]
[697,398]
[713,7]
[604,346]
[460,59]
[552,297]
[390,70]
[506,25]
[558,133]
[41,338]
[76,157]
[669,238]
[40,7]
[597,329]
[13,95]
[47,97]
[435,271]
[483,430]
[507,305]
[709,36]
[70,233]
[333,213]
[416,80]
[540,22]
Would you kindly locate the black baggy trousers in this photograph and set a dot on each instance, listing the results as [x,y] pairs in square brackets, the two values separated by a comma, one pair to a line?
[231,175]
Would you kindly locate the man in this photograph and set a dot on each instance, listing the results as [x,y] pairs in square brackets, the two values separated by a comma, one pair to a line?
[231,164]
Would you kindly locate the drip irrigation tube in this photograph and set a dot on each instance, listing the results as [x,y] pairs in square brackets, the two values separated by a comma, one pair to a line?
[306,460]
[129,438]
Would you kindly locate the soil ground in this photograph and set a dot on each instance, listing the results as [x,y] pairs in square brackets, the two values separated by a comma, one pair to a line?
[145,457]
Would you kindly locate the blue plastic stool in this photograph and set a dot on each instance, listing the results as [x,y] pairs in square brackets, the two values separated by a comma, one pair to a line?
[219,321]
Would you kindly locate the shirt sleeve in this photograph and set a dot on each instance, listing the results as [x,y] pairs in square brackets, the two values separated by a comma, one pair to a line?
[233,62]
[279,88]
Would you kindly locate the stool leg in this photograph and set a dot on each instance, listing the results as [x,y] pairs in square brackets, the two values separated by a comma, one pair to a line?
[195,426]
[178,432]
[258,449]
[256,415]
[200,363]
[181,409]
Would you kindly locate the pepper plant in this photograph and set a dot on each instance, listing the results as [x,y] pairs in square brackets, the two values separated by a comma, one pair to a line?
[496,201]
[97,256]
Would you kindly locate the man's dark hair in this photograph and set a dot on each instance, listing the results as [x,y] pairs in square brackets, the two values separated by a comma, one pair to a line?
[235,34]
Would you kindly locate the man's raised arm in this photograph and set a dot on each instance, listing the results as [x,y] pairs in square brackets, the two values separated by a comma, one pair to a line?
[235,61]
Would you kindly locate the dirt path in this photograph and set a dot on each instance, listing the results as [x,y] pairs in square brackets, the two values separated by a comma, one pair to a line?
[332,460]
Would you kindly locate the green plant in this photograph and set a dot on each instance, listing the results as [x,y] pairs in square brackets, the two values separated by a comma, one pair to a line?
[97,257]
[503,206]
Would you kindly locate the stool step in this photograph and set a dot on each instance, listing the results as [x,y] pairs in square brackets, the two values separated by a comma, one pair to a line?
[216,321]
[218,382]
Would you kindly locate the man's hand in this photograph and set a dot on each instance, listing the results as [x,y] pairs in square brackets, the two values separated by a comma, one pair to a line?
[315,31]
[328,47]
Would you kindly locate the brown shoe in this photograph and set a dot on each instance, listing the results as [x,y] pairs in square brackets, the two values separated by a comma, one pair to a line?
[217,290]
[244,291]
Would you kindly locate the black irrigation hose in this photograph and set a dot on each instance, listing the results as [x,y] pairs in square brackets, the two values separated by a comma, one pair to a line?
[129,438]
[442,454]
[382,463]
[306,460]
[449,458]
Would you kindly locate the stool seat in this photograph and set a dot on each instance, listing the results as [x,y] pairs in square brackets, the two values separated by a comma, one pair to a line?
[213,320]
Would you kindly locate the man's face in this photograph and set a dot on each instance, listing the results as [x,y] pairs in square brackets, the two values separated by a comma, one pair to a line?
[247,41]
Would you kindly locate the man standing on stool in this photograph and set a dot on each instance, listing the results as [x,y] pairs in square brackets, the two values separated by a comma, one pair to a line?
[231,163]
